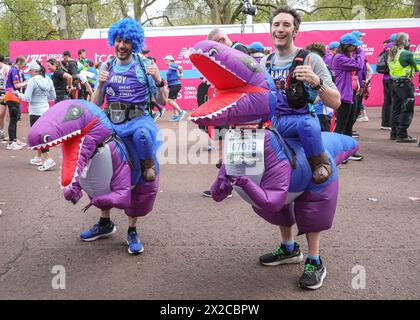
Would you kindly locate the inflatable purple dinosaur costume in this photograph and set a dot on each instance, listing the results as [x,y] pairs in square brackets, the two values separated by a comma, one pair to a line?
[94,159]
[282,192]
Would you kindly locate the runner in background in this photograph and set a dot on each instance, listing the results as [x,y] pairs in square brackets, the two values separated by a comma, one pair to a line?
[63,81]
[173,76]
[4,70]
[15,82]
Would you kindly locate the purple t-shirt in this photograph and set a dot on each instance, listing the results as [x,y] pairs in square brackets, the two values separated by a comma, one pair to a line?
[125,86]
[13,76]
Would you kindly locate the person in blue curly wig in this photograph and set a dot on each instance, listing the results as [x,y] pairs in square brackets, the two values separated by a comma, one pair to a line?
[129,29]
[127,83]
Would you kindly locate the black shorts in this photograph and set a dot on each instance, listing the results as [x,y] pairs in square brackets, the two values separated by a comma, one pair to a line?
[33,118]
[173,91]
[2,92]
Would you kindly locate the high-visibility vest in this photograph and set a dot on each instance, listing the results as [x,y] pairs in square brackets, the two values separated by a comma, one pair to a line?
[397,71]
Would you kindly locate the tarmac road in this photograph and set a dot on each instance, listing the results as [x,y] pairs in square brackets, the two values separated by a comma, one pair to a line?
[196,248]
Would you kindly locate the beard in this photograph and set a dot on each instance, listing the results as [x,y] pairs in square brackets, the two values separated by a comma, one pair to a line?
[123,55]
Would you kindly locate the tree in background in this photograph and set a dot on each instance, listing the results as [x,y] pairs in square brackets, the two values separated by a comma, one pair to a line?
[26,20]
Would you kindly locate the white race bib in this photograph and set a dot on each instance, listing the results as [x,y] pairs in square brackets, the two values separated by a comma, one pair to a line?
[244,152]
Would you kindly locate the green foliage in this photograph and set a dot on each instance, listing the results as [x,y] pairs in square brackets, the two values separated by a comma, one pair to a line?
[370,9]
[26,20]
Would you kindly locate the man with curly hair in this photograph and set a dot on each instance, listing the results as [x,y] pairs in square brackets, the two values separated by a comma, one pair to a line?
[126,82]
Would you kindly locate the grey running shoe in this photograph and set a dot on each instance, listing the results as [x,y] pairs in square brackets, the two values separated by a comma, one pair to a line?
[281,256]
[313,276]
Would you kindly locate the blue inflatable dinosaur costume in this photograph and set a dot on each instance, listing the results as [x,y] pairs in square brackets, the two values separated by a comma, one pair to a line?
[282,191]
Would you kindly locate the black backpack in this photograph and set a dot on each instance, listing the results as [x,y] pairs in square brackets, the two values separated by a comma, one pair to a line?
[382,63]
[297,95]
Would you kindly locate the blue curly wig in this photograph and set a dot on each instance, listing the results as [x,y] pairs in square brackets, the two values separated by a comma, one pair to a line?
[127,29]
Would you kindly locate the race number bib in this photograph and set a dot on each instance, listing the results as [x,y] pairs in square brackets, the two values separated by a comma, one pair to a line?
[244,152]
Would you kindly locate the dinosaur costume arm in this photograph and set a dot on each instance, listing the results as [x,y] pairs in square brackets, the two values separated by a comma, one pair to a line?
[222,187]
[73,194]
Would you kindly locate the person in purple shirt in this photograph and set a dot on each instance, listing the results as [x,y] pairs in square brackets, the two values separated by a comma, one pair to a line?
[333,46]
[125,82]
[15,82]
[349,58]
[361,78]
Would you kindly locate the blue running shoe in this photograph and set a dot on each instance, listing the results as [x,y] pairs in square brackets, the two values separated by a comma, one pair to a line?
[134,244]
[98,231]
[174,118]
[181,115]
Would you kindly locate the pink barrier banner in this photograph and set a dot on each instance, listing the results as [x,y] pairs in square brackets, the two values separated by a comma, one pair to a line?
[178,47]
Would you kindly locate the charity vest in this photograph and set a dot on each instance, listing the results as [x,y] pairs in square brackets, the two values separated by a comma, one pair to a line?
[125,87]
[397,71]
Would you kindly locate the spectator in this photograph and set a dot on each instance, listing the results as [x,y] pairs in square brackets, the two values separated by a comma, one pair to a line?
[348,60]
[70,66]
[15,82]
[39,90]
[333,46]
[402,68]
[4,70]
[386,118]
[323,112]
[88,77]
[359,81]
[173,77]
[256,50]
[81,62]
[63,81]
[220,36]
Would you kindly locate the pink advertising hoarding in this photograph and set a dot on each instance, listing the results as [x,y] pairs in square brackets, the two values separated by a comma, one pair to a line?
[178,47]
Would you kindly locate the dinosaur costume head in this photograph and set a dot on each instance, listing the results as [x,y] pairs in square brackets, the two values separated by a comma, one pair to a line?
[79,127]
[242,91]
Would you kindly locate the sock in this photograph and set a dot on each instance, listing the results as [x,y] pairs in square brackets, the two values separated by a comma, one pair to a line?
[289,245]
[130,229]
[104,221]
[315,258]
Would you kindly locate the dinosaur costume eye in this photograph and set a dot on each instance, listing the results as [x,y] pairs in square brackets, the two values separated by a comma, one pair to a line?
[213,52]
[251,64]
[73,112]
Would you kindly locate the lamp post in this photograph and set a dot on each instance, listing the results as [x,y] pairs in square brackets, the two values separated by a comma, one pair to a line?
[248,11]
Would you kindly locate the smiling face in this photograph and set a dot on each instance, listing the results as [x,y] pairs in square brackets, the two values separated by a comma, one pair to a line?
[123,49]
[242,94]
[283,30]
